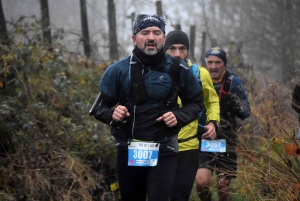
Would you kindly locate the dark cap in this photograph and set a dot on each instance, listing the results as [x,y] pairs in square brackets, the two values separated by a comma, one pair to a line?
[177,37]
[144,21]
[218,52]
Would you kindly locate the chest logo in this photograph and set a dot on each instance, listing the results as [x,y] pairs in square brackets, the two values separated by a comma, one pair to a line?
[161,77]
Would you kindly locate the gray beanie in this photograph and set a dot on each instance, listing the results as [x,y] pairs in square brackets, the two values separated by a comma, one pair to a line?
[177,37]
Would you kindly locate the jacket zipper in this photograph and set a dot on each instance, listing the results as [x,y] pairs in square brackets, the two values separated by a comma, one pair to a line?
[132,129]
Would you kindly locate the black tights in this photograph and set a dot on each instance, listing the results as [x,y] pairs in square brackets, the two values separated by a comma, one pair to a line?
[137,182]
[187,167]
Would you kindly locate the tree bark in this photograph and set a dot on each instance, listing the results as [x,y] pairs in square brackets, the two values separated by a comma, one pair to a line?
[287,50]
[192,42]
[3,29]
[132,16]
[177,26]
[85,29]
[113,42]
[45,21]
[159,8]
[203,50]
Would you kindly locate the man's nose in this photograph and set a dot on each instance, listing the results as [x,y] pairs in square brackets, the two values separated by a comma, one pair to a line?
[151,36]
[177,53]
[213,65]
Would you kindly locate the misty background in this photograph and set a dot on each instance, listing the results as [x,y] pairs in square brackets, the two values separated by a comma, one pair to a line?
[54,52]
[256,33]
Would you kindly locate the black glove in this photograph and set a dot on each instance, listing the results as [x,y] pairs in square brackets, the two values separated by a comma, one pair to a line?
[225,104]
[231,103]
[235,105]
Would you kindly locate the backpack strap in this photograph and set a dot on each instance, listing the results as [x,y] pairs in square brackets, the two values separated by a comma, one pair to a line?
[224,95]
[174,70]
[196,71]
[226,86]
[174,73]
[138,92]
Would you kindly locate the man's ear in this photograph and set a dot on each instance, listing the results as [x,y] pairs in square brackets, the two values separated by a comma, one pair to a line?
[133,39]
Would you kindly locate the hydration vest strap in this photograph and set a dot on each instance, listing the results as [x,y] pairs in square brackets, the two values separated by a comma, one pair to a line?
[172,97]
[226,85]
[138,92]
[174,70]
[224,95]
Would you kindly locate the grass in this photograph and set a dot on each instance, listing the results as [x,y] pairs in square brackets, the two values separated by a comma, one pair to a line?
[235,191]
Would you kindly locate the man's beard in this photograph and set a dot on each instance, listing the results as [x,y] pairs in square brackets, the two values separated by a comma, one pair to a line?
[151,52]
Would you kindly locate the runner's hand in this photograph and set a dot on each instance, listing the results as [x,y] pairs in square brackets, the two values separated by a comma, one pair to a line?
[169,118]
[210,133]
[120,113]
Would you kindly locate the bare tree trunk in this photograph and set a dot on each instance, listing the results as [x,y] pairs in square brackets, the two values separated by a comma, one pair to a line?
[192,42]
[132,16]
[214,42]
[287,50]
[85,29]
[113,42]
[45,21]
[159,8]
[3,30]
[203,50]
[177,26]
[212,14]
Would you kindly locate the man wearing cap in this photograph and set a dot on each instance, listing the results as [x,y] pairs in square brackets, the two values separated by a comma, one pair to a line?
[233,104]
[139,100]
[177,45]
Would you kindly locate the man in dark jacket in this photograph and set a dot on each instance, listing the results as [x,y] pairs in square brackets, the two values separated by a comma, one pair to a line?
[139,100]
[233,104]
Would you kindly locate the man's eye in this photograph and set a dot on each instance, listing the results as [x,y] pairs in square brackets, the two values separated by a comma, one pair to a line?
[182,48]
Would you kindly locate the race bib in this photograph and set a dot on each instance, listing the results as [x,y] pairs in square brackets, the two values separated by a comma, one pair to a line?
[213,145]
[143,154]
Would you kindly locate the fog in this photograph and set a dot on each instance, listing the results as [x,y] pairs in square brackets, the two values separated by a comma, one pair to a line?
[259,34]
[66,14]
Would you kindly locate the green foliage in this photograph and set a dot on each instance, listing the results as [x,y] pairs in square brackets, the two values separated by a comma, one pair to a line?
[51,149]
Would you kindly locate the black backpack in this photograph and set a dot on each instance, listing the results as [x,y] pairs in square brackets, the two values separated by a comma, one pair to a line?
[138,93]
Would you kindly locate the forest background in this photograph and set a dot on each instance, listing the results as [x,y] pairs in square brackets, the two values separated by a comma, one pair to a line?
[53,54]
